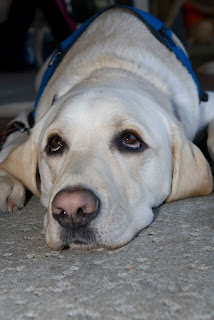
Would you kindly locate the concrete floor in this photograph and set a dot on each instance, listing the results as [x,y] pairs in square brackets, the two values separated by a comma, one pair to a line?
[165,273]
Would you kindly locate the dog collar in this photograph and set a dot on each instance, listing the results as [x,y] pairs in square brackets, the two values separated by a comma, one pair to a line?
[156,27]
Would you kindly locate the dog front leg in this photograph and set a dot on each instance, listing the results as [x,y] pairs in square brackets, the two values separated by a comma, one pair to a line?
[12,191]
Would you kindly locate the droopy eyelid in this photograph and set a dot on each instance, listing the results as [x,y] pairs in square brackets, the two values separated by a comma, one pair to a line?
[117,142]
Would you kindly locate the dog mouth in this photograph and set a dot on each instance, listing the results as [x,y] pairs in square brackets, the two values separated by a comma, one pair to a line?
[82,246]
[82,238]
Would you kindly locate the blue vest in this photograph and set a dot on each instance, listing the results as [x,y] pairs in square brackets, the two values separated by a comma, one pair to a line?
[157,28]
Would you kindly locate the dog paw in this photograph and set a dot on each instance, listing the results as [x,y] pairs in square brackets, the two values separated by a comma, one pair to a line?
[12,193]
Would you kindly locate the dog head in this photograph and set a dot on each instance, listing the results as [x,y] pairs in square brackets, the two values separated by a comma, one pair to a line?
[106,156]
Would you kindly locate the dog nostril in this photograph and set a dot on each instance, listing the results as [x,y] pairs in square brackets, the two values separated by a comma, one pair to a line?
[74,221]
[62,218]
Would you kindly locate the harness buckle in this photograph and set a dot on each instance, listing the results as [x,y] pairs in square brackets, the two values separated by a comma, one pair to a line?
[58,53]
[162,31]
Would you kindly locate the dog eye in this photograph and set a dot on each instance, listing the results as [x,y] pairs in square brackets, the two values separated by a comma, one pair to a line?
[131,141]
[55,144]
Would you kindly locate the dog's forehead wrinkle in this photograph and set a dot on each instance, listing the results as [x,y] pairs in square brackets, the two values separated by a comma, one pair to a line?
[85,125]
[104,98]
[110,105]
[87,113]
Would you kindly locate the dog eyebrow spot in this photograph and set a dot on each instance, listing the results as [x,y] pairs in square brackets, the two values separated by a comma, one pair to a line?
[118,121]
[55,98]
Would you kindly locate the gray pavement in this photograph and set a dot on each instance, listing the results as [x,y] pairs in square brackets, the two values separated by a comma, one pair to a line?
[165,273]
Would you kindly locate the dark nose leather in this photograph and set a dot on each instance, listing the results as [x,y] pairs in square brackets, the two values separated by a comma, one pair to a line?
[75,207]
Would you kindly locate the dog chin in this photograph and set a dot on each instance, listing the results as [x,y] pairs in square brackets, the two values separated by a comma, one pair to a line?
[75,245]
[83,239]
[78,245]
[81,245]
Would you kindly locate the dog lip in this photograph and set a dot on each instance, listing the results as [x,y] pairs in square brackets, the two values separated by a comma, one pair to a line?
[84,246]
[79,245]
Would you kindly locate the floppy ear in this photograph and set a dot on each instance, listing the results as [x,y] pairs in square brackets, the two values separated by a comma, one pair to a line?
[21,163]
[191,174]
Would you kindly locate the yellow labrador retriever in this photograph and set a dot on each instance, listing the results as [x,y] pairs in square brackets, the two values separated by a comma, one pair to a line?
[112,137]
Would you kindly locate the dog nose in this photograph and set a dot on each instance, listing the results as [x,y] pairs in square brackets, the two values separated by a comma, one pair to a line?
[75,208]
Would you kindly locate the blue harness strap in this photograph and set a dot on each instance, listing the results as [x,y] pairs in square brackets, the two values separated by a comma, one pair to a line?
[164,35]
[157,28]
[57,57]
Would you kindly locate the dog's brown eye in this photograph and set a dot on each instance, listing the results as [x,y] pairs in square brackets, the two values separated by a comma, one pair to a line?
[131,141]
[55,144]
